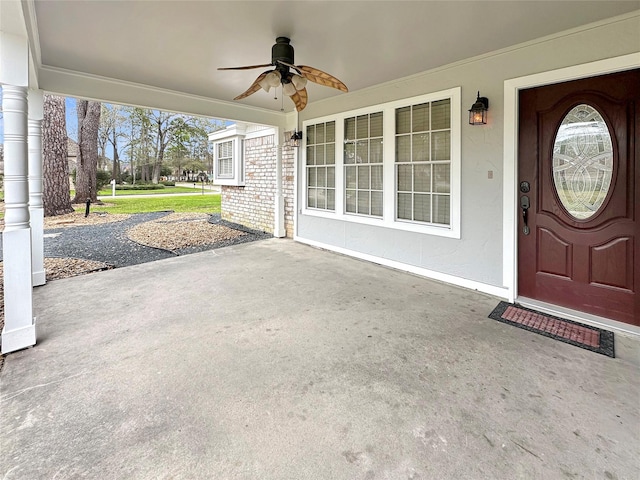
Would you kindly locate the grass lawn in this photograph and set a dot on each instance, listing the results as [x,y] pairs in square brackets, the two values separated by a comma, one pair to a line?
[201,204]
[108,192]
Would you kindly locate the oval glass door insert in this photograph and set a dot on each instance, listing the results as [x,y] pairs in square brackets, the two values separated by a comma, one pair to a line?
[582,161]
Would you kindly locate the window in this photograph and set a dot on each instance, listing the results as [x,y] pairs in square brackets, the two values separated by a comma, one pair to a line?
[395,165]
[225,159]
[423,162]
[320,166]
[228,145]
[363,164]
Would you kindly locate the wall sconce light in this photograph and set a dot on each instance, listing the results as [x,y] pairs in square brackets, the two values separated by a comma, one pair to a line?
[296,138]
[478,112]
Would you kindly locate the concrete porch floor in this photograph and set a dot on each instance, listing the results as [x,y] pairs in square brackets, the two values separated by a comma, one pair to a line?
[274,360]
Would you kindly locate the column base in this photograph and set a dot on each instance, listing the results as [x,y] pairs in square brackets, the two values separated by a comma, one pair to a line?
[39,278]
[19,338]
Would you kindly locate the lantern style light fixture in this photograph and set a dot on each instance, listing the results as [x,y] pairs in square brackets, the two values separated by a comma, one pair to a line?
[478,111]
[296,138]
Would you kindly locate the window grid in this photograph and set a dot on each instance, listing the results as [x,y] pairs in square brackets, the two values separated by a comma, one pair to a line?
[225,159]
[423,163]
[363,164]
[320,166]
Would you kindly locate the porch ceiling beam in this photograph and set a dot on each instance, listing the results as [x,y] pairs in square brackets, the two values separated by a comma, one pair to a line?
[77,84]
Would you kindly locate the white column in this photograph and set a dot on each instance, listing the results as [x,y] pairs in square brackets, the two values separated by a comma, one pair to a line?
[36,209]
[278,224]
[19,324]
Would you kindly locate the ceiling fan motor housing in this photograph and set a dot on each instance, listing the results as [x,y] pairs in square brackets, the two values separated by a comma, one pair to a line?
[283,51]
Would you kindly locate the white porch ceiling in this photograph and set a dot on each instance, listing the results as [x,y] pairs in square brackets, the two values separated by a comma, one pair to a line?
[178,45]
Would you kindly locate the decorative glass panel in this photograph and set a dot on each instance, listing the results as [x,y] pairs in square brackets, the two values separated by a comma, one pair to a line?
[582,161]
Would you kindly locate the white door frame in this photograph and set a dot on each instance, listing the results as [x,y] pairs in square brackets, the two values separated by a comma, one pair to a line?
[510,161]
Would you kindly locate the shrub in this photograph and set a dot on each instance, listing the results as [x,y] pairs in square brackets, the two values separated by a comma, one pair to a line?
[140,186]
[168,183]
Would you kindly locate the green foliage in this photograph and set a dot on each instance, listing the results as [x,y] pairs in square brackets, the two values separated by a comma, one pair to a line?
[102,178]
[141,186]
[196,203]
[168,183]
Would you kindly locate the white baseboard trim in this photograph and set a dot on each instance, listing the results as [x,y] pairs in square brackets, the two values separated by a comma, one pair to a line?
[500,292]
[19,338]
[39,278]
[577,316]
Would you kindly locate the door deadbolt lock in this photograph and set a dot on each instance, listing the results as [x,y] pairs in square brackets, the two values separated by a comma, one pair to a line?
[525,187]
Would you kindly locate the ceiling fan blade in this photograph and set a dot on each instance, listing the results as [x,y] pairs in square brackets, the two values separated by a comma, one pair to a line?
[320,77]
[255,86]
[248,67]
[300,98]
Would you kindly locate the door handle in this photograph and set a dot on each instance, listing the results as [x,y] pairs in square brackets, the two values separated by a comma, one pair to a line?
[524,205]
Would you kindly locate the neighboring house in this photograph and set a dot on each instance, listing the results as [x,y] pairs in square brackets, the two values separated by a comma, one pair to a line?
[537,203]
[72,159]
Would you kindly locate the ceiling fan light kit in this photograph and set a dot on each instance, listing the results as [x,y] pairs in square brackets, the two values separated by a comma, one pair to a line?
[293,84]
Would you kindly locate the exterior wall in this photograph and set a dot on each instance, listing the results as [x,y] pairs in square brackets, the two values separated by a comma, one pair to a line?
[253,205]
[477,257]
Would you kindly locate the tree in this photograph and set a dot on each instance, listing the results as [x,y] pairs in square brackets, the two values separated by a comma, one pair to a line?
[112,123]
[86,171]
[55,166]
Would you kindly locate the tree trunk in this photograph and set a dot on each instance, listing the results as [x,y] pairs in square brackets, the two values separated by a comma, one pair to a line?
[86,171]
[55,167]
[115,172]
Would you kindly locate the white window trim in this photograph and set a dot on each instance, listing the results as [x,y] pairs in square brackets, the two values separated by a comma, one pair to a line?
[388,219]
[235,134]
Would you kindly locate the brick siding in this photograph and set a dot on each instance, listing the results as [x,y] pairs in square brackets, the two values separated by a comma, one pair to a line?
[253,204]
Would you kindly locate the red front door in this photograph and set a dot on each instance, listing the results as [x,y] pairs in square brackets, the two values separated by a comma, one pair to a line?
[579,189]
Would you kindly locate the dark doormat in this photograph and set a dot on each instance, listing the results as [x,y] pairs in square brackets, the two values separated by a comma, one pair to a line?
[583,336]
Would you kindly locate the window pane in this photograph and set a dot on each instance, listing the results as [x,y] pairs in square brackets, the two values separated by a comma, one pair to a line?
[350,128]
[376,155]
[442,178]
[363,177]
[420,118]
[420,147]
[321,200]
[403,149]
[404,178]
[422,208]
[330,153]
[319,154]
[311,198]
[331,199]
[362,151]
[404,206]
[441,209]
[422,178]
[311,155]
[441,114]
[350,177]
[350,153]
[376,125]
[322,177]
[311,177]
[351,201]
[330,132]
[331,177]
[376,177]
[311,134]
[403,120]
[440,146]
[363,203]
[320,133]
[376,203]
[362,126]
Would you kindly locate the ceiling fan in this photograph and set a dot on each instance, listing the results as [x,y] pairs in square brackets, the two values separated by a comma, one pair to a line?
[293,84]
